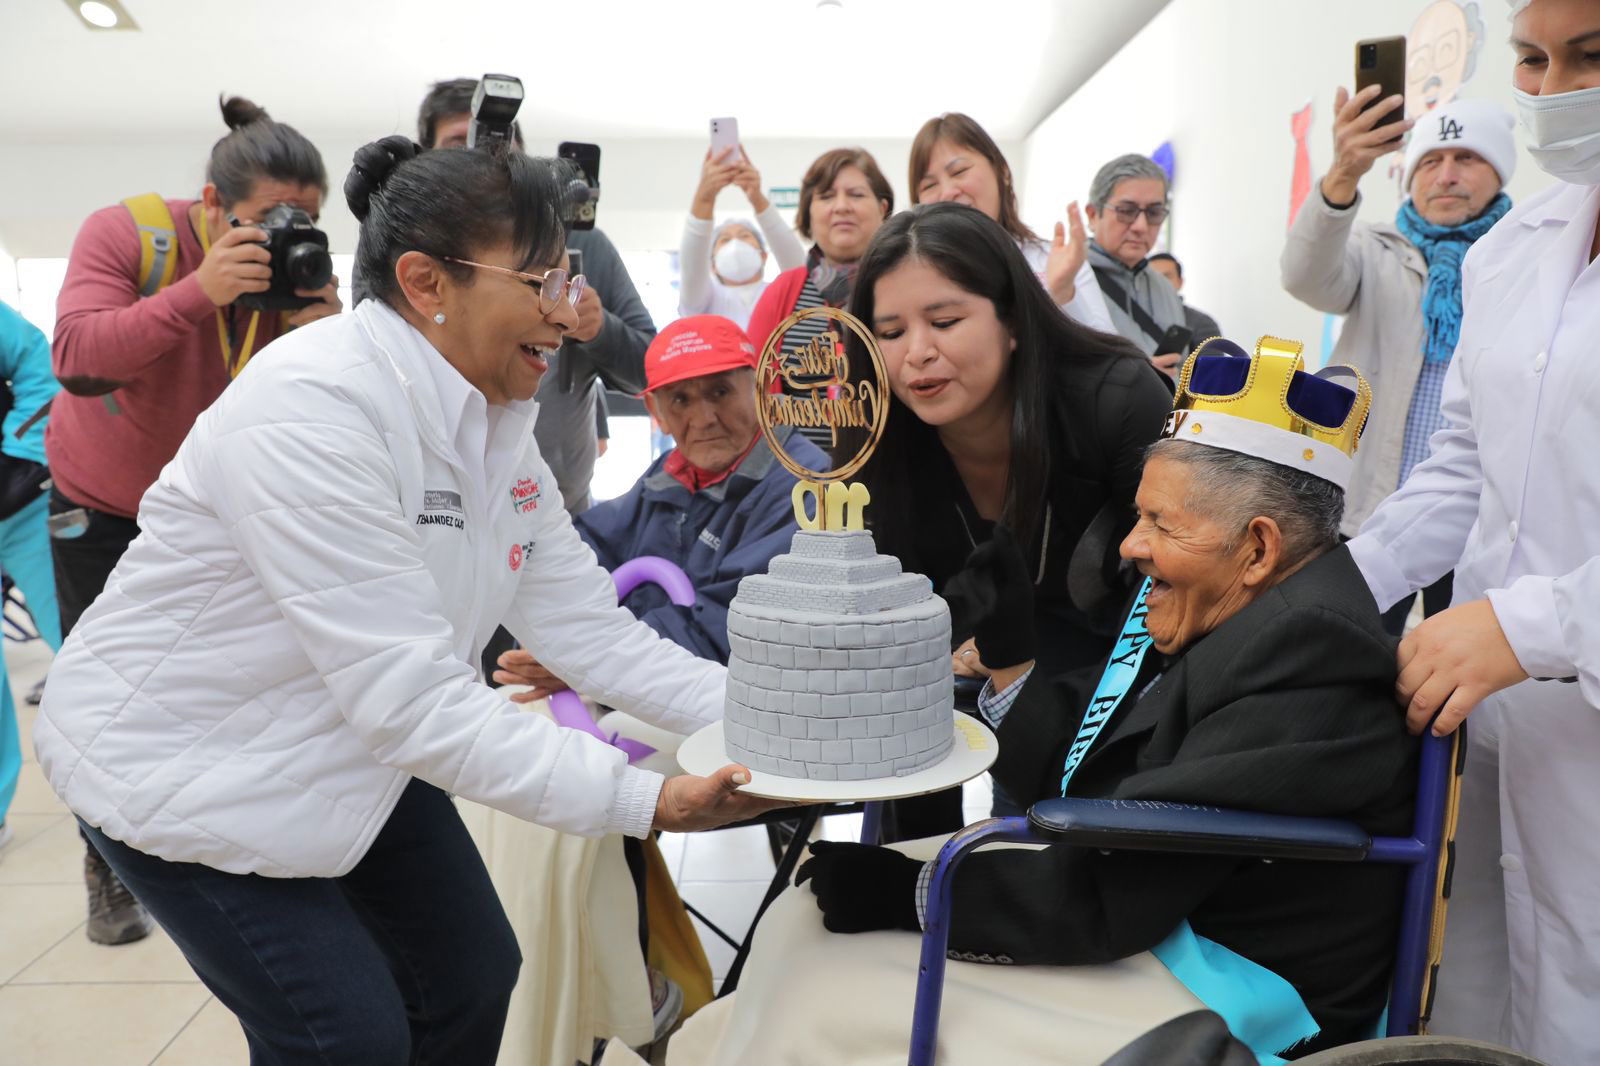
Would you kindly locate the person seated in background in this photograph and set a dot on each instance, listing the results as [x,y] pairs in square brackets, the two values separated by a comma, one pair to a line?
[954,158]
[722,269]
[718,504]
[1127,206]
[1260,679]
[1399,285]
[1202,327]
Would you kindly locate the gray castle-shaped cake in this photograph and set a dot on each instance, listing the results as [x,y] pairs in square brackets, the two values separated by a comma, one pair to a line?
[840,665]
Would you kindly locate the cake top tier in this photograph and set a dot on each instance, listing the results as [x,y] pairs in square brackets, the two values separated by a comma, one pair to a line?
[838,573]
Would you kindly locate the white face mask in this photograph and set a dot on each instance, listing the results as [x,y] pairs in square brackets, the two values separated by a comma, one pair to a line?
[738,263]
[1563,133]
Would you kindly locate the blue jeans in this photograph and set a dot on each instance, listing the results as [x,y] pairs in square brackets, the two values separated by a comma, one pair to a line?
[406,959]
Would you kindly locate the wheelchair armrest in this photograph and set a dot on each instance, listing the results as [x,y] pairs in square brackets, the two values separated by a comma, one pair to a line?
[1149,825]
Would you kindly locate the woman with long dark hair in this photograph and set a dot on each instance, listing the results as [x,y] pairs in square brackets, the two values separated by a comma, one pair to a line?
[1003,411]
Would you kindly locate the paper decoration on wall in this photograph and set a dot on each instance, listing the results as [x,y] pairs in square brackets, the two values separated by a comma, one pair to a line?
[1441,53]
[1300,182]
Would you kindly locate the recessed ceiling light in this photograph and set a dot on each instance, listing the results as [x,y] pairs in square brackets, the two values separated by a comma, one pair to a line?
[830,6]
[102,14]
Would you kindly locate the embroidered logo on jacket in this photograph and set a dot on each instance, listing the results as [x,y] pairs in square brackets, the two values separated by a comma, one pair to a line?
[515,558]
[525,495]
[442,507]
[710,539]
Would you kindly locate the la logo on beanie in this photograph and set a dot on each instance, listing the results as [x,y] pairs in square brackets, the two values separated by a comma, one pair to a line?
[1450,129]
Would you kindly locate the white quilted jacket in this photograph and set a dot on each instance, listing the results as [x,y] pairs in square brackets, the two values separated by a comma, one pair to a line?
[292,636]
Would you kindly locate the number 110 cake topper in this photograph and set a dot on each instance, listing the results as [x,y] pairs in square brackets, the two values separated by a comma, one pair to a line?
[821,394]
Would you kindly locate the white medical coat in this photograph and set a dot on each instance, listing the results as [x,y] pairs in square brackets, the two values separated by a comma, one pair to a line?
[1510,498]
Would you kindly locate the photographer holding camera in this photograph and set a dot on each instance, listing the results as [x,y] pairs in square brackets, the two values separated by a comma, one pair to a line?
[613,330]
[163,303]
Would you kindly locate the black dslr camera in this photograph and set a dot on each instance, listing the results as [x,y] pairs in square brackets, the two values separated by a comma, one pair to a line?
[299,260]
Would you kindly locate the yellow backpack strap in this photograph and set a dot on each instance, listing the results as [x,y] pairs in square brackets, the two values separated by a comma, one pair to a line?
[158,241]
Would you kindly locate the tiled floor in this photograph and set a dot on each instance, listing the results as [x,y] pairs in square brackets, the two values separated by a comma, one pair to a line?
[67,1002]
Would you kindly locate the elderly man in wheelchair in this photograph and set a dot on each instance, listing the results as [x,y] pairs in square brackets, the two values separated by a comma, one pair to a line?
[1253,673]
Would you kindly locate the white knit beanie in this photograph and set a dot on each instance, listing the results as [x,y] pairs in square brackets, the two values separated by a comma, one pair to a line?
[1477,125]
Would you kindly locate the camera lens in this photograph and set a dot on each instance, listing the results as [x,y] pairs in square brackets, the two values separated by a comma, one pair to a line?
[1369,55]
[308,265]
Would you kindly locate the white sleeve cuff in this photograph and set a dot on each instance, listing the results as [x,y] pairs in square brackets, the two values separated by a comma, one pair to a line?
[1527,613]
[633,809]
[699,227]
[1389,586]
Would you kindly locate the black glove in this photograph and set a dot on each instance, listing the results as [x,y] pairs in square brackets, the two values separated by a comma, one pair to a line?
[860,887]
[994,593]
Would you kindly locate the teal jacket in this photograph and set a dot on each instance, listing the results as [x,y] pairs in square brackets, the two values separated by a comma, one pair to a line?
[25,370]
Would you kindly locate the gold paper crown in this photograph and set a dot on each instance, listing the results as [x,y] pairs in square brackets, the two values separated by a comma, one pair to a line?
[1267,405]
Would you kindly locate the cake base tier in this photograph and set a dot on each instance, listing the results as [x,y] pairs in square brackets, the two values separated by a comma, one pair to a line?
[972,751]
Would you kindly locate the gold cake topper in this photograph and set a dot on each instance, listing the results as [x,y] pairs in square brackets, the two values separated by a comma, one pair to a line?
[821,395]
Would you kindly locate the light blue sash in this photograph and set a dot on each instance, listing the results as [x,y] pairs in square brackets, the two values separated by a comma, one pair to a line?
[1262,1010]
[1126,658]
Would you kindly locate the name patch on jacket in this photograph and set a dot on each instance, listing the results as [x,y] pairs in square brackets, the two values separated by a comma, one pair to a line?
[525,495]
[710,539]
[442,507]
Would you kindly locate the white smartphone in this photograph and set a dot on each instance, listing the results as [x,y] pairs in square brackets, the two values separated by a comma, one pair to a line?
[724,135]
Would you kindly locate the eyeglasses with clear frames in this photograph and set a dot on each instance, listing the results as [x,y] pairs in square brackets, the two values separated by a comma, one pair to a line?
[1127,212]
[551,286]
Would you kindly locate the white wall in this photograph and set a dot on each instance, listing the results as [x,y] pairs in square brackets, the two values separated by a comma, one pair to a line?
[1220,80]
[47,189]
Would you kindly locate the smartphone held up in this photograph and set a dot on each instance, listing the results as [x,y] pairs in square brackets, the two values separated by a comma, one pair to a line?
[1381,61]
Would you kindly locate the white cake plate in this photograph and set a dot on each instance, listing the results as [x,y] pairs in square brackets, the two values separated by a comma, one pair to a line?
[973,751]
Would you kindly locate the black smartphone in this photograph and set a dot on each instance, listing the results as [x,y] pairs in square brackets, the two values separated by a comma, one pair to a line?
[584,190]
[1175,339]
[1382,61]
[574,261]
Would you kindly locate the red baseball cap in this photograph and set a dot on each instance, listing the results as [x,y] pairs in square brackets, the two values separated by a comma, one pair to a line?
[695,347]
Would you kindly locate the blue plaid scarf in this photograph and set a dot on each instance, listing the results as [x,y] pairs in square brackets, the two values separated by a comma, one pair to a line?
[1443,247]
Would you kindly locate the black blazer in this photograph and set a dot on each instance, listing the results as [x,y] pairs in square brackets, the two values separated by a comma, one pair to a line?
[1287,707]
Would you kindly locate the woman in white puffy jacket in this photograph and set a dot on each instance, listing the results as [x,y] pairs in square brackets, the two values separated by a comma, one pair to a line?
[259,721]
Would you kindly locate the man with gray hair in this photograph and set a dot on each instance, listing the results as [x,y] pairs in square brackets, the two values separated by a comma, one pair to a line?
[1127,206]
[1399,286]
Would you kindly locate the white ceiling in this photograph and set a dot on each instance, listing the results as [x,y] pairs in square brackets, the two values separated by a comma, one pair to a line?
[593,68]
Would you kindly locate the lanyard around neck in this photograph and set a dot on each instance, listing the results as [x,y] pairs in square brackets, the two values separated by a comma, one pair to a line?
[248,347]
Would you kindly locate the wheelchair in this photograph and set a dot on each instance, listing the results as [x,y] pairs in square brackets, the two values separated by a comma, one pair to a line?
[1174,827]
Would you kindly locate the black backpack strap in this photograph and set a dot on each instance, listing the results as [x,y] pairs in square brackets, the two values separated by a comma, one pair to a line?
[1113,288]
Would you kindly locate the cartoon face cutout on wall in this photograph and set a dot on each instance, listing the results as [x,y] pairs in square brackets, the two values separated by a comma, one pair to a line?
[1441,53]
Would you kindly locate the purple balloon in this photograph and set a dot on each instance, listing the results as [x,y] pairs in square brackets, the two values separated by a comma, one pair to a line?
[664,572]
[565,706]
[1167,159]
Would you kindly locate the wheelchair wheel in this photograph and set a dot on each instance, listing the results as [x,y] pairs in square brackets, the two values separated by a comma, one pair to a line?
[1437,1050]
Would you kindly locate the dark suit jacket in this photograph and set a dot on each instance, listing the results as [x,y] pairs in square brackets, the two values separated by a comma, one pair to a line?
[1287,707]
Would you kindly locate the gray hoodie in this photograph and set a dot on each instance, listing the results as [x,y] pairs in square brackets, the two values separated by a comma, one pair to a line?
[1142,286]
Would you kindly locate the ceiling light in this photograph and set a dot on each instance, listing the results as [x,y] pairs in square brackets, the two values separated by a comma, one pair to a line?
[832,7]
[102,14]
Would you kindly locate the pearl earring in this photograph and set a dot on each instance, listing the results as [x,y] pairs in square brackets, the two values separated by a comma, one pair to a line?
[439,318]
